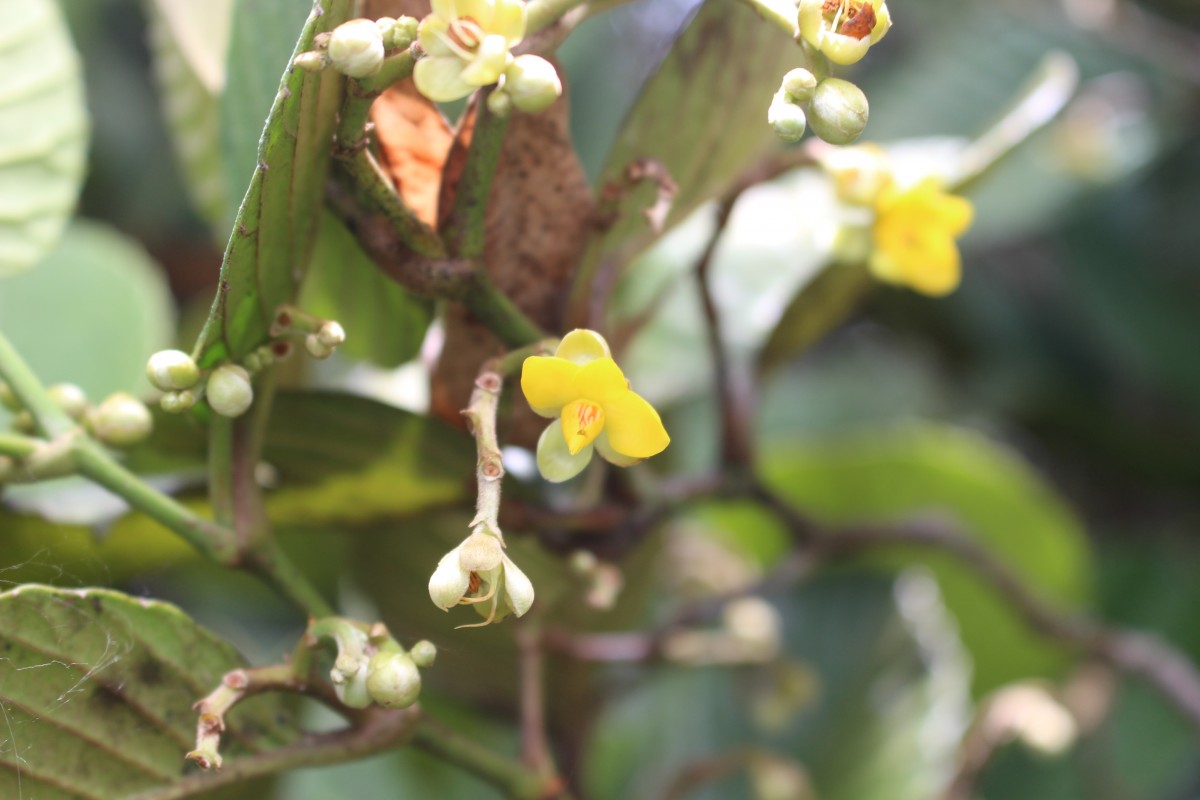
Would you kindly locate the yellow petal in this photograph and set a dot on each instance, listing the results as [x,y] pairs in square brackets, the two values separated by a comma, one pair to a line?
[548,382]
[491,58]
[633,427]
[582,422]
[598,380]
[508,20]
[478,10]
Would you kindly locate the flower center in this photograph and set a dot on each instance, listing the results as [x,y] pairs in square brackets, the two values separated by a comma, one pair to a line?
[853,18]
[466,33]
[582,422]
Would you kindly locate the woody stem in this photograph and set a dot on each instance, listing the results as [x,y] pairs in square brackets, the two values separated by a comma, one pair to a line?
[489,467]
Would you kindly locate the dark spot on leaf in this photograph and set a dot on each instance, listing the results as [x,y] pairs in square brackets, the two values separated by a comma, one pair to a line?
[150,672]
[97,603]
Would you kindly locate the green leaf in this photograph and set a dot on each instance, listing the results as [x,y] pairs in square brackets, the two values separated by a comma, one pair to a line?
[277,222]
[92,312]
[188,41]
[43,130]
[702,115]
[97,690]
[895,475]
[385,323]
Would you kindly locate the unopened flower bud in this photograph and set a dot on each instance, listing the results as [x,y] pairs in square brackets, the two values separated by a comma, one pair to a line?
[8,399]
[799,83]
[786,119]
[352,689]
[532,82]
[121,420]
[423,653]
[70,398]
[312,61]
[838,112]
[499,103]
[393,680]
[172,370]
[316,348]
[403,34]
[178,402]
[356,48]
[229,391]
[331,334]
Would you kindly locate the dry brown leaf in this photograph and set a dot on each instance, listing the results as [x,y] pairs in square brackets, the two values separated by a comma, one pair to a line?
[414,141]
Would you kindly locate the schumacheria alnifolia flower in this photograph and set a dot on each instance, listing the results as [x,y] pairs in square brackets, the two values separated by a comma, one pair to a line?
[468,44]
[478,573]
[843,30]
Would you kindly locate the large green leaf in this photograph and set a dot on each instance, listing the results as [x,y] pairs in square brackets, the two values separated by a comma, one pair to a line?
[91,312]
[43,130]
[384,322]
[702,116]
[277,222]
[895,475]
[97,688]
[189,41]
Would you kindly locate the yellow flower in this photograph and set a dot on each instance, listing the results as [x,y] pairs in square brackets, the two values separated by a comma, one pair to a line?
[584,389]
[914,235]
[466,44]
[843,29]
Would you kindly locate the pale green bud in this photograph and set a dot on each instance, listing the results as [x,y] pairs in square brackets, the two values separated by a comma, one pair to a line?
[786,118]
[229,391]
[8,399]
[352,688]
[403,34]
[316,348]
[70,398]
[499,103]
[312,61]
[393,680]
[532,82]
[838,112]
[799,83]
[423,653]
[356,48]
[172,370]
[254,363]
[121,420]
[178,402]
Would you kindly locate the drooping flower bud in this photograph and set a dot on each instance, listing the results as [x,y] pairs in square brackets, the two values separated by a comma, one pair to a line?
[786,118]
[178,402]
[838,112]
[356,48]
[393,680]
[229,391]
[352,689]
[70,398]
[172,370]
[121,420]
[532,82]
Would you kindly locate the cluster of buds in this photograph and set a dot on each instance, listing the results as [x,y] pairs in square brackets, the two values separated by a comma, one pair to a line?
[322,337]
[357,48]
[836,109]
[371,666]
[120,420]
[227,387]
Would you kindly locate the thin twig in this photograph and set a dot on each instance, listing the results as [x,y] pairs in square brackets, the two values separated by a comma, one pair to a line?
[464,227]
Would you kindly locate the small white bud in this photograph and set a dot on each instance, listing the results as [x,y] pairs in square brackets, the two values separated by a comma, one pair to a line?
[312,61]
[499,103]
[178,402]
[356,48]
[121,420]
[393,680]
[229,391]
[799,83]
[352,688]
[70,398]
[172,370]
[316,348]
[786,119]
[331,334]
[423,653]
[532,82]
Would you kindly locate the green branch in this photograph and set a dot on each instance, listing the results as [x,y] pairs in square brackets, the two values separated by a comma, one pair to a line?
[512,778]
[51,420]
[464,228]
[17,446]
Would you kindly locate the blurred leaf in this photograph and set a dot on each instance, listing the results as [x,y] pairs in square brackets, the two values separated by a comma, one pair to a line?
[701,116]
[385,324]
[92,312]
[896,475]
[277,222]
[874,682]
[43,130]
[98,690]
[188,41]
